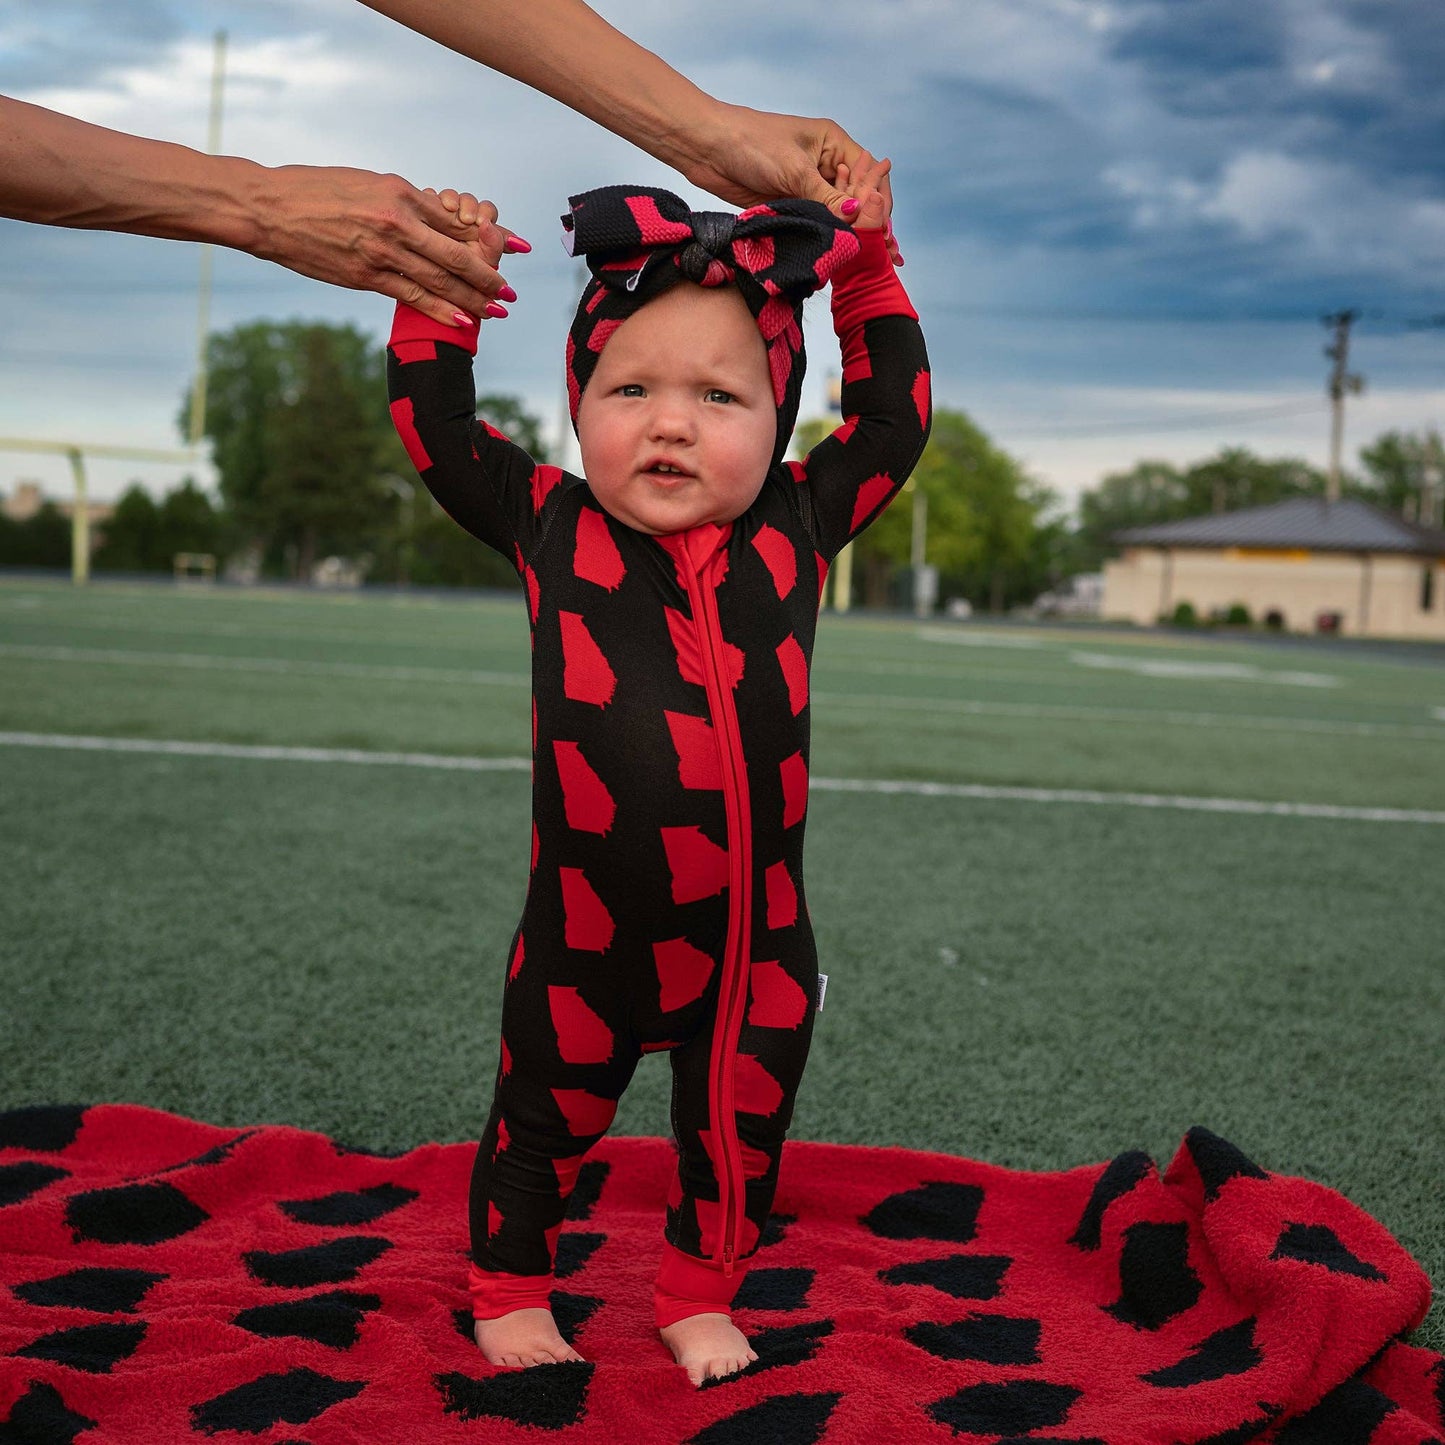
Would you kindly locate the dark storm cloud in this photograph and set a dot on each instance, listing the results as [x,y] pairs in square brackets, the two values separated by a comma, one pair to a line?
[69,42]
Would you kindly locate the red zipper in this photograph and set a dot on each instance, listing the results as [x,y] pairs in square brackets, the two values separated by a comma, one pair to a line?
[733,989]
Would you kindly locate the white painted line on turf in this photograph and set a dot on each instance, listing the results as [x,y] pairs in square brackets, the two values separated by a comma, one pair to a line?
[1044,710]
[212,662]
[982,791]
[264,753]
[1206,671]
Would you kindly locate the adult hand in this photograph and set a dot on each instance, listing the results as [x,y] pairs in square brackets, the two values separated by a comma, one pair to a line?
[380,233]
[754,156]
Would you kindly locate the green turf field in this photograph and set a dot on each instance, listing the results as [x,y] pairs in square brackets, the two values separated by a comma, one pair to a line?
[1028,978]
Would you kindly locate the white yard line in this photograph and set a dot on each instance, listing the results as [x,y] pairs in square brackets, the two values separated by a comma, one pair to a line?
[981,791]
[211,662]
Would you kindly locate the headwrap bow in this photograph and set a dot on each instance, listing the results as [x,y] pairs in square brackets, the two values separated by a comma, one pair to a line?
[639,241]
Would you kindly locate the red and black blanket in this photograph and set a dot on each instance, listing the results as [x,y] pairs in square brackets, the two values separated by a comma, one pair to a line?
[163,1280]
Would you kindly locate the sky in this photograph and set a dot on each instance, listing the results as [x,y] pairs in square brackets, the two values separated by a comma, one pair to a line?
[1122,219]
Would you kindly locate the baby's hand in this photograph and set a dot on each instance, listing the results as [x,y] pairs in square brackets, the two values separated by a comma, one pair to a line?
[867,183]
[490,241]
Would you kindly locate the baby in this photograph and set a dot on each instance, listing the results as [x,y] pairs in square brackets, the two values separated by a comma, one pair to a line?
[673,597]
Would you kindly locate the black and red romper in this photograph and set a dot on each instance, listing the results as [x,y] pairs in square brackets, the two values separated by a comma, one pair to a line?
[665,908]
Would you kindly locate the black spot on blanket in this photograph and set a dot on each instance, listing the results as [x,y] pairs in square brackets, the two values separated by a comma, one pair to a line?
[1218,1161]
[588,1189]
[574,1250]
[1319,1244]
[964,1276]
[96,1349]
[797,1419]
[47,1128]
[932,1211]
[133,1214]
[334,1262]
[774,1289]
[293,1399]
[1349,1415]
[1156,1282]
[1230,1351]
[106,1291]
[550,1397]
[1017,1406]
[332,1319]
[20,1181]
[994,1339]
[1117,1180]
[349,1207]
[40,1417]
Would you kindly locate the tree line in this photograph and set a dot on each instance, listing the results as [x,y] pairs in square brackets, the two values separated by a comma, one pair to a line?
[309,466]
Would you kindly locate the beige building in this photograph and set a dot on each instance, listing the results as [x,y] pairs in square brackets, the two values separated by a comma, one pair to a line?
[27,498]
[1305,561]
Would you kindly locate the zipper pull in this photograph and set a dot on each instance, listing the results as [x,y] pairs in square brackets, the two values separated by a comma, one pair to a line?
[727,1261]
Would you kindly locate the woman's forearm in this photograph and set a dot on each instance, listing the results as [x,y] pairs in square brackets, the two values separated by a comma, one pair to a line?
[568,51]
[64,172]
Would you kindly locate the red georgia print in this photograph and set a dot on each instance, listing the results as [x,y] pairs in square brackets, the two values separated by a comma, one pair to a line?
[698,866]
[778,1002]
[586,676]
[595,557]
[697,758]
[683,972]
[588,924]
[582,1037]
[777,553]
[585,799]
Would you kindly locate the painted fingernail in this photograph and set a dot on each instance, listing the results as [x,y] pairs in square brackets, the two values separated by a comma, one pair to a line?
[516,244]
[494,310]
[461,318]
[506,294]
[849,207]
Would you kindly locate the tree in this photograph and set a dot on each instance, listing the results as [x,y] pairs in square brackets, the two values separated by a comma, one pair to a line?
[982,512]
[1151,492]
[131,534]
[40,541]
[1400,466]
[510,416]
[296,412]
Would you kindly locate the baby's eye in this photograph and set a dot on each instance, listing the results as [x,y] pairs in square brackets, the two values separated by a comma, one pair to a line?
[630,388]
[716,393]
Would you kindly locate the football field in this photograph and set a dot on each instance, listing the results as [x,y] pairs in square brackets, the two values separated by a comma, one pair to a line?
[1075,889]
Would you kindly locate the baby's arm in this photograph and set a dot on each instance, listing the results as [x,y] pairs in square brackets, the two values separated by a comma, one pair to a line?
[850,476]
[486,483]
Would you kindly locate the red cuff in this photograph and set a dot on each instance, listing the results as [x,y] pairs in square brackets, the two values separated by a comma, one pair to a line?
[411,325]
[495,1294]
[868,287]
[687,1286]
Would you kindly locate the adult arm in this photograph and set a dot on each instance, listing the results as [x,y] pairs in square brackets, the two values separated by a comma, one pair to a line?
[349,227]
[566,50]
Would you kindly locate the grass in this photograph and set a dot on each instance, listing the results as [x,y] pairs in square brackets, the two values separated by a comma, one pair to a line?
[1037,984]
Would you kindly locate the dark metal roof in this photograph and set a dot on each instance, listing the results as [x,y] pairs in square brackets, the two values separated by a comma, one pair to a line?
[1304,522]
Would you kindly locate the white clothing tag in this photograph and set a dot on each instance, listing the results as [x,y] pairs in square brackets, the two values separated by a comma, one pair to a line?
[822,989]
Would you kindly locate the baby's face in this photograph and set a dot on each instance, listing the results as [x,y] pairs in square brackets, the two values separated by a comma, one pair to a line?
[677,424]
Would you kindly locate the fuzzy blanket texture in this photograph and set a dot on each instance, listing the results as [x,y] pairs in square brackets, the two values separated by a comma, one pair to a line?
[163,1280]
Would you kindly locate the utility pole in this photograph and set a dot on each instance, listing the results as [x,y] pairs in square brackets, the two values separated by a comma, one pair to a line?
[203,310]
[1342,383]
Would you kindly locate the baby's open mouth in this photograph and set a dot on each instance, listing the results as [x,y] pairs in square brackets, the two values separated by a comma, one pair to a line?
[666,469]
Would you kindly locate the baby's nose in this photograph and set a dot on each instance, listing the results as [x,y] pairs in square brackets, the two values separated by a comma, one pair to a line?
[674,421]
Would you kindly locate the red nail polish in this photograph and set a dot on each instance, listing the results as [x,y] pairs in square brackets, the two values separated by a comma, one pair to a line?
[506,294]
[462,319]
[849,207]
[494,310]
[516,244]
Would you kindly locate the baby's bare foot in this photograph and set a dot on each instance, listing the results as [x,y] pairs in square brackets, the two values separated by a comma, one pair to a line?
[524,1337]
[708,1346]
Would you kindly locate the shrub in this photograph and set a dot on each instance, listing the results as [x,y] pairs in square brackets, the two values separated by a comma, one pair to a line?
[1185,615]
[1237,616]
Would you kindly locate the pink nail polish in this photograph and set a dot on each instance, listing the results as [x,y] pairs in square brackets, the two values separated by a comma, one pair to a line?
[462,319]
[494,310]
[849,207]
[506,294]
[516,244]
